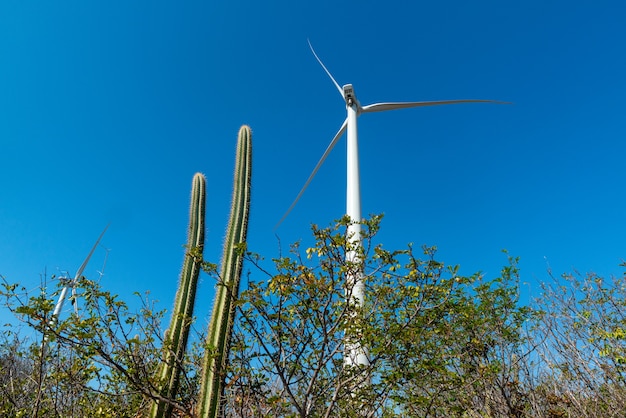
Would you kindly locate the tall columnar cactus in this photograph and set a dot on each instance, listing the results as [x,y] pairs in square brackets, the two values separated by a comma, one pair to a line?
[220,327]
[178,332]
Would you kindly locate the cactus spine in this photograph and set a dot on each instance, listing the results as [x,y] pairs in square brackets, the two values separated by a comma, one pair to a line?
[220,327]
[178,332]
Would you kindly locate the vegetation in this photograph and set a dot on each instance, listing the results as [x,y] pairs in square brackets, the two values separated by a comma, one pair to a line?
[441,344]
[213,372]
[223,315]
[178,332]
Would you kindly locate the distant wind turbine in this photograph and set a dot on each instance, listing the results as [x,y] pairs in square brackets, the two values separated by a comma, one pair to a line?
[57,311]
[355,354]
[72,283]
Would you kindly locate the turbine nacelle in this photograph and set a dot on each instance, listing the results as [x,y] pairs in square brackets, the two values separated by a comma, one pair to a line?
[348,94]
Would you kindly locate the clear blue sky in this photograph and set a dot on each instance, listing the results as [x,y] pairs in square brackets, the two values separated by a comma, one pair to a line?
[107,109]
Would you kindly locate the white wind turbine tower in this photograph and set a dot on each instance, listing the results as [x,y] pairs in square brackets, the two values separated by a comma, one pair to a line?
[356,354]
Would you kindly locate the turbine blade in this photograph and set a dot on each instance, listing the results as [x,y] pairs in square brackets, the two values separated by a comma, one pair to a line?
[317,167]
[325,69]
[381,107]
[84,265]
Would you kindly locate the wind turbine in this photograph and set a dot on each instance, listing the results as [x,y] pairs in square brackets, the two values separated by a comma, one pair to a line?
[355,353]
[59,306]
[72,283]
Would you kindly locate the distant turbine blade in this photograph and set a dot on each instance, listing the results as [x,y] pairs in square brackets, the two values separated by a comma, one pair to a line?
[381,107]
[84,265]
[317,167]
[325,69]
